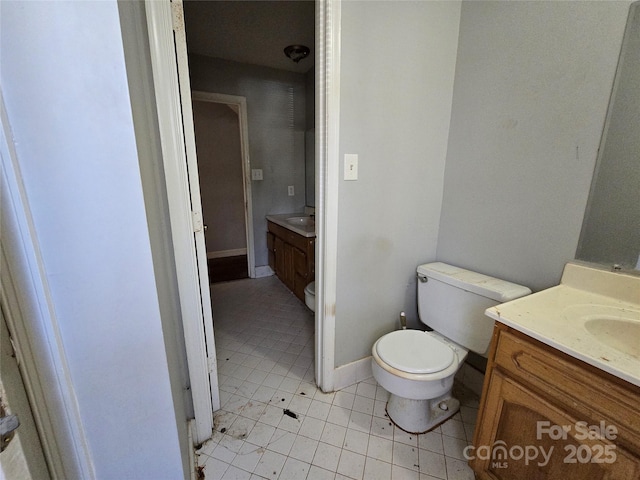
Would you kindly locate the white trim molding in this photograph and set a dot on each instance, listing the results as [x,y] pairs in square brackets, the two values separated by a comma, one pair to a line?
[327,176]
[227,253]
[176,150]
[264,271]
[26,302]
[346,375]
[240,107]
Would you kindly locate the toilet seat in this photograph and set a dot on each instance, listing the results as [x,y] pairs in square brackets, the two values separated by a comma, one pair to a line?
[414,351]
[310,288]
[310,296]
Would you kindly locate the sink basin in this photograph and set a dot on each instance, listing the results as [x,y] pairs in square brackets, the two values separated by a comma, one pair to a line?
[613,326]
[623,335]
[301,221]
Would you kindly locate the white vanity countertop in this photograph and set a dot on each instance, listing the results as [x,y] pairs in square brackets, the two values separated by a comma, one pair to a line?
[308,230]
[557,317]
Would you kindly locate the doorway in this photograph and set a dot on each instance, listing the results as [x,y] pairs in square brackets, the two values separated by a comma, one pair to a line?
[240,53]
[221,133]
[176,132]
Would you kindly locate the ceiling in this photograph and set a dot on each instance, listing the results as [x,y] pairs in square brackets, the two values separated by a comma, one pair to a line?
[254,32]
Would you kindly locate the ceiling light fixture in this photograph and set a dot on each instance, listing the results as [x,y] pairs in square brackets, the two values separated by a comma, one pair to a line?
[297,52]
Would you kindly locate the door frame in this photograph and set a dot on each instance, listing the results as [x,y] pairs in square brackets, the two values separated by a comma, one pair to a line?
[32,322]
[241,103]
[328,32]
[24,455]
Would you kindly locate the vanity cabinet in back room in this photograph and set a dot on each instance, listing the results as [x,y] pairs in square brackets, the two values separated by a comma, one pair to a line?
[291,257]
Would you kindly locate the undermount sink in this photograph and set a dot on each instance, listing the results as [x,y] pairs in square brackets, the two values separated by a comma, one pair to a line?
[301,221]
[615,327]
[620,334]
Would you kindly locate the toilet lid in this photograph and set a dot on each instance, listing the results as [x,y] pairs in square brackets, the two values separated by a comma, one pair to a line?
[414,351]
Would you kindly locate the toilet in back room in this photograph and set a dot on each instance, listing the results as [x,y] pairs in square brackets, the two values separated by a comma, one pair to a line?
[417,368]
[310,296]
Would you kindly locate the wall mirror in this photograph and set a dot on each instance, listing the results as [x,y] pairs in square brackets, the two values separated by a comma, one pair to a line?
[611,227]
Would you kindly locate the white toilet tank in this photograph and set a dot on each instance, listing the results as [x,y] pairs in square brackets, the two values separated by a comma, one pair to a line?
[452,301]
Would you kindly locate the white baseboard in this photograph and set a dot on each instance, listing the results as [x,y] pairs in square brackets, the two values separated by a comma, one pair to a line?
[193,462]
[346,375]
[227,253]
[264,271]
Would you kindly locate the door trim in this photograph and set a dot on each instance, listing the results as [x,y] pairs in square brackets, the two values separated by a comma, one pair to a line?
[31,319]
[327,180]
[178,148]
[241,103]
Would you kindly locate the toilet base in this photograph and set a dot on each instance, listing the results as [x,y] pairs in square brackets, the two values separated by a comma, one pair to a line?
[420,416]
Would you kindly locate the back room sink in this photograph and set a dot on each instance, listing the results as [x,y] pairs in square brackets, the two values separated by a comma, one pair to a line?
[301,221]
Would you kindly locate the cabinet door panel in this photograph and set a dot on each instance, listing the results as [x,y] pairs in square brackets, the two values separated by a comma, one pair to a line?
[278,251]
[291,256]
[300,272]
[299,262]
[511,444]
[270,250]
[569,382]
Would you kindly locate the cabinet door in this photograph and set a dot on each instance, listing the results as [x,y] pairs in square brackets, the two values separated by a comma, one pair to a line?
[311,259]
[278,253]
[288,265]
[300,272]
[271,250]
[520,437]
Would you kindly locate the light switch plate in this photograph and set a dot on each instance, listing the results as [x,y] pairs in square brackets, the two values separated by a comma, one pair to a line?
[256,174]
[351,166]
[291,190]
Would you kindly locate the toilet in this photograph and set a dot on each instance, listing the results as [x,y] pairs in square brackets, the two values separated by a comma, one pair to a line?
[310,296]
[416,367]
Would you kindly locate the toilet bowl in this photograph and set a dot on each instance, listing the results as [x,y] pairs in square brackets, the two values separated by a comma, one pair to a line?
[417,368]
[310,296]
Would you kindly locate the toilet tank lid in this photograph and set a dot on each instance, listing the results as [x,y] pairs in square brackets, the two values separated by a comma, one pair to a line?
[483,285]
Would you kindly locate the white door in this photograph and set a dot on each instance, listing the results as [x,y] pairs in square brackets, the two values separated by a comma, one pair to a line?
[22,457]
[180,40]
[168,50]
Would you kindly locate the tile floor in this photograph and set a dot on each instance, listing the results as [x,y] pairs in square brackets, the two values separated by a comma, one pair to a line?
[264,339]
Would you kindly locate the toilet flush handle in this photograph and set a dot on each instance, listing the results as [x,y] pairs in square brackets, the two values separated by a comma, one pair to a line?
[422,278]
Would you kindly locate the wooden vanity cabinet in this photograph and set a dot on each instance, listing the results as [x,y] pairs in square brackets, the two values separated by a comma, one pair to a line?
[528,382]
[292,257]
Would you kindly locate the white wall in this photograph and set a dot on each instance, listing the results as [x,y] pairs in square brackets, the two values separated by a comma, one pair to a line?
[396,84]
[531,91]
[65,88]
[145,120]
[276,123]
